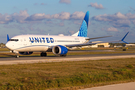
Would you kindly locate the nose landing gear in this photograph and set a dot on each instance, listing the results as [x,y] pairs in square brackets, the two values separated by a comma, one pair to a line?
[17,56]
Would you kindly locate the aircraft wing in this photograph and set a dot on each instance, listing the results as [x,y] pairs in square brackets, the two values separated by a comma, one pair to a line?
[79,45]
[97,37]
[86,44]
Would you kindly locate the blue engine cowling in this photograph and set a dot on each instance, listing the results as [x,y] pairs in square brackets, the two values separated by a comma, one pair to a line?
[25,53]
[59,50]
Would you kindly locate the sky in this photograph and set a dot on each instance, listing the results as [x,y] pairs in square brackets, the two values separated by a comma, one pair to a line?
[53,17]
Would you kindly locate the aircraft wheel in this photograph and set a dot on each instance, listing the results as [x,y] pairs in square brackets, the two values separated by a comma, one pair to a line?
[63,55]
[43,54]
[17,56]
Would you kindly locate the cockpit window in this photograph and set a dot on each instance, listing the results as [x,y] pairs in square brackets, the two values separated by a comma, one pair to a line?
[13,40]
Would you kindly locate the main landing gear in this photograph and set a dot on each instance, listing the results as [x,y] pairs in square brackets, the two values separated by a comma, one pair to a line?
[43,54]
[64,55]
[17,56]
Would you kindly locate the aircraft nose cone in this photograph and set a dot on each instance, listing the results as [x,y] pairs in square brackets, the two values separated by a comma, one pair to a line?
[8,45]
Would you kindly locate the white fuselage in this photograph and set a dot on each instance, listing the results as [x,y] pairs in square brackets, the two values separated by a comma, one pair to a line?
[41,43]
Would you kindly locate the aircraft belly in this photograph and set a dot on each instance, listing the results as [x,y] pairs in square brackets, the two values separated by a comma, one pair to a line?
[34,48]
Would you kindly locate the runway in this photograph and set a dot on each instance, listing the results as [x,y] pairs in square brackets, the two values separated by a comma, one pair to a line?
[122,86]
[36,59]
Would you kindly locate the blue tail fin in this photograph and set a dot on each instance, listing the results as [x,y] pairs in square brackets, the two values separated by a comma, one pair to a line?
[7,38]
[84,26]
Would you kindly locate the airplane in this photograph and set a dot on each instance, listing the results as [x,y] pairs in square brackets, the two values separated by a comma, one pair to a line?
[58,44]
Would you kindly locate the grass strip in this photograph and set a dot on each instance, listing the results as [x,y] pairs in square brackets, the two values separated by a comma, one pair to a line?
[4,49]
[66,75]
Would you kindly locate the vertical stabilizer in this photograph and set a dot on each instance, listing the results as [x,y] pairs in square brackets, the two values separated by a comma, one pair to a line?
[84,27]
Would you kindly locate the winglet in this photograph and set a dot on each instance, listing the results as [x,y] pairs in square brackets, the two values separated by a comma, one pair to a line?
[7,37]
[124,38]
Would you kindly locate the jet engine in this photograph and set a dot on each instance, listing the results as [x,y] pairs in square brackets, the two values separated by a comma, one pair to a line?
[25,53]
[60,50]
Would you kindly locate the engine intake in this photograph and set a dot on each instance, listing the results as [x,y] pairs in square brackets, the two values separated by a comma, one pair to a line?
[59,50]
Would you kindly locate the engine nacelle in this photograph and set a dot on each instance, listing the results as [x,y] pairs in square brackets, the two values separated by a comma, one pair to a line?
[59,50]
[25,53]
